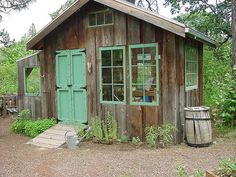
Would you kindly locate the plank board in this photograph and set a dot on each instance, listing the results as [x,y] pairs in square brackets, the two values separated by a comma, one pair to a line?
[53,137]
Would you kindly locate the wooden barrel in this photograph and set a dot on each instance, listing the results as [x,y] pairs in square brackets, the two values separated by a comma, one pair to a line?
[198,128]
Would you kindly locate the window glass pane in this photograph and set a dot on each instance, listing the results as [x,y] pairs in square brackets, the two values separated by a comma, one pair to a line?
[107,92]
[106,75]
[191,68]
[92,20]
[108,17]
[117,57]
[144,75]
[118,75]
[119,93]
[32,78]
[112,68]
[150,55]
[106,58]
[100,18]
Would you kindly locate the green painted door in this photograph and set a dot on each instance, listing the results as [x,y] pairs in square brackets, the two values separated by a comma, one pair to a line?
[71,87]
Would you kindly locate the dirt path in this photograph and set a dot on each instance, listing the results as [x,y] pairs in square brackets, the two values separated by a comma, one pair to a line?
[90,160]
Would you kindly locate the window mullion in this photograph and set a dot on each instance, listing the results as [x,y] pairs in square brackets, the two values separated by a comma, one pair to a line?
[112,75]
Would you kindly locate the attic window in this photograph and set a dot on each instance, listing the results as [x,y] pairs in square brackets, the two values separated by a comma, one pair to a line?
[32,81]
[101,18]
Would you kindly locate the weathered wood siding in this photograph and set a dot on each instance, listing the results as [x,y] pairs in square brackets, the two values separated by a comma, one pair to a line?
[74,34]
[33,103]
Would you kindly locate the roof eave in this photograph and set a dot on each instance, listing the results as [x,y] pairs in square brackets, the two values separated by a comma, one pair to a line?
[54,23]
[200,36]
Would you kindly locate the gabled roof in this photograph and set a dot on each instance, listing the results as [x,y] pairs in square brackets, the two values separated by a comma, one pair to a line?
[127,8]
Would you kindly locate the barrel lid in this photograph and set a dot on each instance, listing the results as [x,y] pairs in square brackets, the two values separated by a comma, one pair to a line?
[197,108]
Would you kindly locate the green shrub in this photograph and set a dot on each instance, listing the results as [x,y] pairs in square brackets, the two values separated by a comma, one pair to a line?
[162,134]
[109,127]
[151,136]
[227,109]
[34,128]
[105,130]
[165,134]
[136,141]
[31,128]
[18,126]
[227,167]
[25,114]
[97,128]
[82,132]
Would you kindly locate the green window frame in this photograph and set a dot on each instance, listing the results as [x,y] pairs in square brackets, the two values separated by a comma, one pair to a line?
[144,74]
[101,18]
[112,75]
[32,85]
[191,68]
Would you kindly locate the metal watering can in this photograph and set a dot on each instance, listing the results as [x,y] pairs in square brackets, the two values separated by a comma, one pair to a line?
[72,139]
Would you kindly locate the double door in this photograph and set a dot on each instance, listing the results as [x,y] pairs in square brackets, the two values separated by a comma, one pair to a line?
[71,87]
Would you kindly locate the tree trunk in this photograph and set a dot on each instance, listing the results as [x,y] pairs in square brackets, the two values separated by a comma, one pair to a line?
[234,33]
[132,1]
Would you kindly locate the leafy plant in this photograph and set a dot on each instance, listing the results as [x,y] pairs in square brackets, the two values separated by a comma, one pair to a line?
[110,127]
[136,141]
[165,134]
[25,114]
[124,138]
[151,136]
[198,173]
[31,128]
[97,128]
[34,128]
[82,132]
[227,108]
[227,167]
[181,171]
[105,130]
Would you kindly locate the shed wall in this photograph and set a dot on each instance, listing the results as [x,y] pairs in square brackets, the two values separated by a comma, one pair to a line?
[74,34]
[33,103]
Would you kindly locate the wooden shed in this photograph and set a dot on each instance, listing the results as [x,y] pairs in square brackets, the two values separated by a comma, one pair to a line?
[109,55]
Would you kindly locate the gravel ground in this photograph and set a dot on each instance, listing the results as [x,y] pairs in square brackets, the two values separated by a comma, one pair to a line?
[90,160]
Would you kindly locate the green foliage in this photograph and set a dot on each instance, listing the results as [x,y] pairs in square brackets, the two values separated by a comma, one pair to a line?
[82,132]
[19,125]
[97,128]
[105,130]
[136,141]
[181,171]
[198,173]
[63,7]
[31,128]
[110,127]
[124,139]
[227,167]
[162,134]
[34,128]
[165,134]
[227,108]
[151,136]
[8,57]
[25,114]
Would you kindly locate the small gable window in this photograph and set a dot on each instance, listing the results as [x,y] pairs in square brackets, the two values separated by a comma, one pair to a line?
[101,18]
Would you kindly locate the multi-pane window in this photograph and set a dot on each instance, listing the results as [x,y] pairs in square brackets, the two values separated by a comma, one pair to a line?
[191,68]
[143,63]
[112,74]
[101,18]
[32,81]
